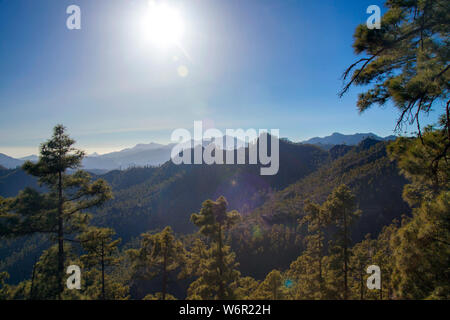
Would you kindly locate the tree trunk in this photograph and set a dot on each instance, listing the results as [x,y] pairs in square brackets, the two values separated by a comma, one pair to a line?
[103,272]
[221,286]
[381,285]
[32,280]
[164,280]
[60,238]
[361,284]
[345,258]
[320,261]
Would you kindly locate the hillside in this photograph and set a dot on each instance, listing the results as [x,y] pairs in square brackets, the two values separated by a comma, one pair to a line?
[167,195]
[14,180]
[149,198]
[152,197]
[9,162]
[365,168]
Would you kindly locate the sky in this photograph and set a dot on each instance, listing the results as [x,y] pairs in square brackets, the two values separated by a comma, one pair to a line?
[260,64]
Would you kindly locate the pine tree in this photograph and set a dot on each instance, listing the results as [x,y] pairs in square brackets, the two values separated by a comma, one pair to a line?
[362,257]
[246,288]
[101,251]
[422,243]
[341,208]
[271,288]
[160,252]
[424,162]
[406,60]
[407,63]
[422,251]
[218,271]
[45,284]
[317,220]
[303,273]
[383,258]
[60,211]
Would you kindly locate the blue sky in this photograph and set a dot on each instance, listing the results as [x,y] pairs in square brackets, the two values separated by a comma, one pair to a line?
[251,64]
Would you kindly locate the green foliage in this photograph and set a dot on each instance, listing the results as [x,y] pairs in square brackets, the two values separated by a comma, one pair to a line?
[159,253]
[308,267]
[422,244]
[271,288]
[4,288]
[307,277]
[382,257]
[101,253]
[317,276]
[425,163]
[360,259]
[406,61]
[341,208]
[213,219]
[99,246]
[115,289]
[159,296]
[422,252]
[60,211]
[44,285]
[218,271]
[246,288]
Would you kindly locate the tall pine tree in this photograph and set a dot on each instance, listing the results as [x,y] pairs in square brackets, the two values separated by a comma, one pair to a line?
[218,271]
[61,210]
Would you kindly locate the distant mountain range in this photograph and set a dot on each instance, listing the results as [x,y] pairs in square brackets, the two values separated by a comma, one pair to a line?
[345,139]
[141,155]
[154,154]
[9,162]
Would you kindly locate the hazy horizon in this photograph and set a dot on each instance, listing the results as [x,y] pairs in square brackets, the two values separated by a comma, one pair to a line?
[105,150]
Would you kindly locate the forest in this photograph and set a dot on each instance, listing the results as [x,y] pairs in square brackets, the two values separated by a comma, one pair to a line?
[216,232]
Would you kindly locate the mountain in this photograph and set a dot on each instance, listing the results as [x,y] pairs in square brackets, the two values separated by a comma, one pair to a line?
[365,168]
[343,139]
[9,162]
[14,180]
[150,198]
[141,155]
[147,198]
[12,163]
[155,154]
[152,154]
[32,158]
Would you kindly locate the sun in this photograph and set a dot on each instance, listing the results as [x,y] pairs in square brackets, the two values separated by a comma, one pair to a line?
[162,25]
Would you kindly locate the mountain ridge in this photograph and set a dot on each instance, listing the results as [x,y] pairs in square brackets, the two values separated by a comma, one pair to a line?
[337,138]
[155,154]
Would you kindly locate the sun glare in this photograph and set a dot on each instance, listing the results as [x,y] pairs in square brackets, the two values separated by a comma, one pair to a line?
[162,25]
